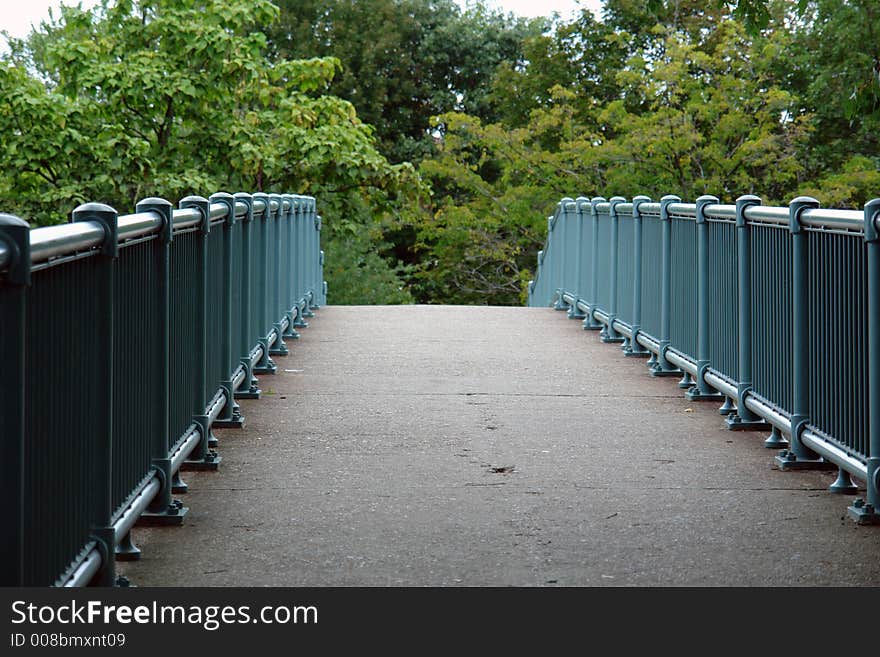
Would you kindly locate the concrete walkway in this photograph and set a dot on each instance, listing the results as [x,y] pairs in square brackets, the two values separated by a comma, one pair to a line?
[430,445]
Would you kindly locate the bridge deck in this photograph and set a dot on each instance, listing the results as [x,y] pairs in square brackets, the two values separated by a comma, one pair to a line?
[429,445]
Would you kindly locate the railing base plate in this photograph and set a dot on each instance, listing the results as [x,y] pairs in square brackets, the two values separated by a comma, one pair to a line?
[234,422]
[209,463]
[271,368]
[863,514]
[736,423]
[251,393]
[788,461]
[661,372]
[172,517]
[694,394]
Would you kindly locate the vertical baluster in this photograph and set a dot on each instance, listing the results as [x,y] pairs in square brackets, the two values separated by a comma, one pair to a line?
[231,415]
[262,294]
[702,391]
[202,457]
[101,512]
[276,283]
[799,456]
[609,333]
[299,252]
[744,418]
[310,255]
[249,388]
[557,252]
[591,323]
[663,367]
[163,509]
[632,348]
[867,511]
[288,226]
[577,240]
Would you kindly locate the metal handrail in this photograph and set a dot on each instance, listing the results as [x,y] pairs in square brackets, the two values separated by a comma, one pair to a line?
[707,282]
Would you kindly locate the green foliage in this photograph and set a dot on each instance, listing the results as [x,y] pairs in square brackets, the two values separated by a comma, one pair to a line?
[167,97]
[855,184]
[170,97]
[502,117]
[404,61]
[359,275]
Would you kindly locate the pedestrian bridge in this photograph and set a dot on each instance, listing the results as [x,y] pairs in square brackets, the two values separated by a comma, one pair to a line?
[437,445]
[440,445]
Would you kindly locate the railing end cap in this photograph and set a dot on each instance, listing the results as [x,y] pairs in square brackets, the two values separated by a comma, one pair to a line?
[12,220]
[92,207]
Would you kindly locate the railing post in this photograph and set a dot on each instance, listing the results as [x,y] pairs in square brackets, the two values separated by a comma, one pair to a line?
[663,367]
[102,529]
[743,418]
[311,227]
[557,240]
[798,456]
[609,333]
[291,308]
[265,365]
[591,323]
[300,259]
[702,391]
[248,388]
[163,510]
[631,347]
[202,457]
[15,236]
[537,287]
[316,250]
[278,348]
[321,280]
[230,416]
[867,512]
[578,245]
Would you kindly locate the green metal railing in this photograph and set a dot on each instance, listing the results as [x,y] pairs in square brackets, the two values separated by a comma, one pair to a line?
[773,311]
[125,341]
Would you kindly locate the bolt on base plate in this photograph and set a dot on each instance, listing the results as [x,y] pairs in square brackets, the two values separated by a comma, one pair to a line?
[788,460]
[694,394]
[211,462]
[863,513]
[736,423]
[172,516]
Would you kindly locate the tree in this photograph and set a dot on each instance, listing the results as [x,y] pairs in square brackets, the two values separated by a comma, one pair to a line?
[173,97]
[683,117]
[404,61]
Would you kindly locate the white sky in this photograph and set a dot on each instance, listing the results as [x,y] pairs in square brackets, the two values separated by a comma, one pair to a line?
[17,16]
